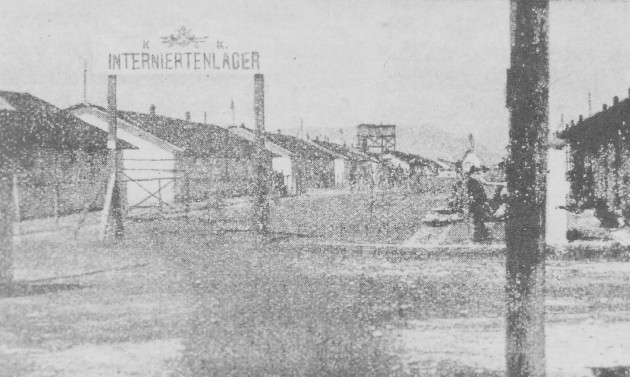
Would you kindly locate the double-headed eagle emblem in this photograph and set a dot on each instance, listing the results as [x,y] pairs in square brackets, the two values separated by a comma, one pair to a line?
[183,37]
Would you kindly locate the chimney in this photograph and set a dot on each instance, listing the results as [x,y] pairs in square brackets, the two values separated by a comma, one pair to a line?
[152,110]
[188,116]
[615,100]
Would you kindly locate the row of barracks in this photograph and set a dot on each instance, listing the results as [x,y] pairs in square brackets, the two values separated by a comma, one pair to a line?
[58,157]
[599,157]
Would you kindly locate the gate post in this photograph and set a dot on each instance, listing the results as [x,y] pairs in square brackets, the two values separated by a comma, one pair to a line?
[112,210]
[261,221]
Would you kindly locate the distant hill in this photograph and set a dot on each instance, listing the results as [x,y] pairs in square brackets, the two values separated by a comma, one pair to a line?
[422,140]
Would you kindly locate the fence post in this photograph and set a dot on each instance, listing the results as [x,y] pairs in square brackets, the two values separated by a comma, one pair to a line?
[6,235]
[15,193]
[56,202]
[187,193]
[56,190]
[617,166]
[160,194]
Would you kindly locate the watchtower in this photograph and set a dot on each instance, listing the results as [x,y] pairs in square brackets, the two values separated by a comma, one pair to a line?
[376,138]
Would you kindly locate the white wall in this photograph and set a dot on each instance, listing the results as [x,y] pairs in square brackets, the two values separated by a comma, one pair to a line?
[283,165]
[396,162]
[151,165]
[340,172]
[280,164]
[557,191]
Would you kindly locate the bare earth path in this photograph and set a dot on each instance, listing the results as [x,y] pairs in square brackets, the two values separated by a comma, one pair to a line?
[174,299]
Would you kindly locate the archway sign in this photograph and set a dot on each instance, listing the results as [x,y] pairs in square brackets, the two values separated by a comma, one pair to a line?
[180,51]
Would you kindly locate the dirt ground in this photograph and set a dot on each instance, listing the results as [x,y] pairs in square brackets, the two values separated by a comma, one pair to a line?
[177,298]
[383,216]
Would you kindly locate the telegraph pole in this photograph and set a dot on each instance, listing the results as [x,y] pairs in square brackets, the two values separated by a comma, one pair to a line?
[261,221]
[528,102]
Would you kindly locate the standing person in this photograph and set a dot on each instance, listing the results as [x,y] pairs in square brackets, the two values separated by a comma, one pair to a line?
[477,201]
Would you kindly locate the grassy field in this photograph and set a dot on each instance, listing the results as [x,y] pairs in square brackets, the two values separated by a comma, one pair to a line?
[175,299]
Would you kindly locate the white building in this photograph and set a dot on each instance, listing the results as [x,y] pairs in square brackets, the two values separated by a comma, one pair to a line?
[149,169]
[280,162]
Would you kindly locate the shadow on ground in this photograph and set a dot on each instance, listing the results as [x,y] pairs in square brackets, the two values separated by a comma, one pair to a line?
[23,289]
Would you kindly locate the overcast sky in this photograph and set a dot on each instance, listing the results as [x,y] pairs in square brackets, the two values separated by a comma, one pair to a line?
[333,63]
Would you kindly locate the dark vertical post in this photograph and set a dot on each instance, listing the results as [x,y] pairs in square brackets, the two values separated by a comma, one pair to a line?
[160,194]
[56,172]
[112,210]
[56,202]
[186,193]
[262,182]
[15,192]
[617,177]
[85,81]
[528,102]
[6,234]
[605,168]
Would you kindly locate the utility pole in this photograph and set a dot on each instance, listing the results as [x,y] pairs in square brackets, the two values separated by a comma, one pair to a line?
[528,102]
[262,168]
